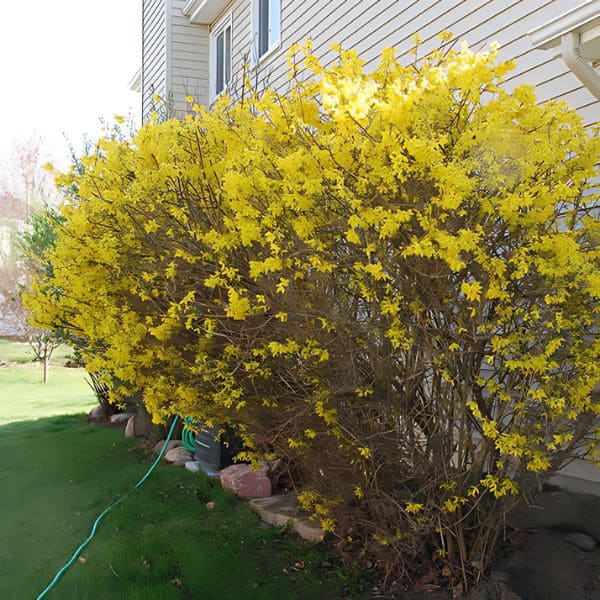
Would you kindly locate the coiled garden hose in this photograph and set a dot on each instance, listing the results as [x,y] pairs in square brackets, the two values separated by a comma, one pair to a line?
[77,552]
[188,435]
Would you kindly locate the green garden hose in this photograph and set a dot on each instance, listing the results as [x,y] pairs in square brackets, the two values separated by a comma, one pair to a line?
[188,435]
[77,552]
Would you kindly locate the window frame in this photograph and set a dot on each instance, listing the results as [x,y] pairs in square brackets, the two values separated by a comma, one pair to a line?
[220,27]
[272,44]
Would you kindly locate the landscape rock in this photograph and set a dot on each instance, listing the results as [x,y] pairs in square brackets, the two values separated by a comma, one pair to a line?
[582,540]
[246,482]
[121,418]
[178,456]
[192,465]
[97,415]
[142,425]
[277,510]
[137,427]
[130,428]
[172,444]
[547,567]
[282,511]
[308,530]
[564,511]
[544,567]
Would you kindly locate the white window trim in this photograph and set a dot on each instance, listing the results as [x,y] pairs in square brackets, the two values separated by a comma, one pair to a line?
[219,26]
[273,47]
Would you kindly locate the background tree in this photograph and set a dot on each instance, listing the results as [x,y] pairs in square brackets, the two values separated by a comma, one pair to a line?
[25,187]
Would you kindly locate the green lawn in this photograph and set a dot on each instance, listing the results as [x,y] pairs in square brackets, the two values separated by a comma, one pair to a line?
[162,542]
[58,473]
[24,395]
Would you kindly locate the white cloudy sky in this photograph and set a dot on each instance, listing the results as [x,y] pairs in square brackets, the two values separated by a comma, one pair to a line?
[64,64]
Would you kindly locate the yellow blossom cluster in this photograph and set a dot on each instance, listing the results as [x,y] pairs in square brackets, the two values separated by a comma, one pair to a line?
[389,278]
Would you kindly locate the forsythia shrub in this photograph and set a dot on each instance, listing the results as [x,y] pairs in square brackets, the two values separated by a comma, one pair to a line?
[390,279]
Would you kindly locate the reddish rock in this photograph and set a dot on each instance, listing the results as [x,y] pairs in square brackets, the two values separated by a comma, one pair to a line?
[178,456]
[246,482]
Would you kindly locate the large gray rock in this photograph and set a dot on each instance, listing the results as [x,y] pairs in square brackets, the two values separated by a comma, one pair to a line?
[172,444]
[97,415]
[136,427]
[564,511]
[546,567]
[282,511]
[130,428]
[582,540]
[245,481]
[121,418]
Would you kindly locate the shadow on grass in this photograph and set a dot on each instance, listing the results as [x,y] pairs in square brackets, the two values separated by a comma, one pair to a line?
[57,474]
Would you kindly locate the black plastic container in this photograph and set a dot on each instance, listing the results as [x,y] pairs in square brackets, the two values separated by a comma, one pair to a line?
[216,454]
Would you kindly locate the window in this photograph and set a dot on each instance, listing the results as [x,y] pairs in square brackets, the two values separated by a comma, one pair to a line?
[220,62]
[266,25]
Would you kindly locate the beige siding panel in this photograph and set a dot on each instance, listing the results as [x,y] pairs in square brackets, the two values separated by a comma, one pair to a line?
[480,22]
[241,34]
[154,59]
[189,46]
[368,26]
[353,24]
[590,113]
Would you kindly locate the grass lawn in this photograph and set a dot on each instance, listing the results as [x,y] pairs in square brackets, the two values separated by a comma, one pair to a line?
[57,474]
[24,395]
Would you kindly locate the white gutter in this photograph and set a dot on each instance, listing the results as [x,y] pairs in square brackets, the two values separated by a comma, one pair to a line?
[583,17]
[571,54]
[575,35]
[189,8]
[204,12]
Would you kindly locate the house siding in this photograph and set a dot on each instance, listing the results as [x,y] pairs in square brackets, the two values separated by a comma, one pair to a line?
[176,59]
[368,26]
[154,54]
[188,65]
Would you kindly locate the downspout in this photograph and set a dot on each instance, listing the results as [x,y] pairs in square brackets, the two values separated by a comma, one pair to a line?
[571,53]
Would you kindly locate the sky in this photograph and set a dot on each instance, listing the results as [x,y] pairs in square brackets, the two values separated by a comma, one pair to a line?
[64,65]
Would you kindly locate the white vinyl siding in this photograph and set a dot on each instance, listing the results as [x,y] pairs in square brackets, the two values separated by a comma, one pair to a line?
[188,64]
[368,26]
[154,58]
